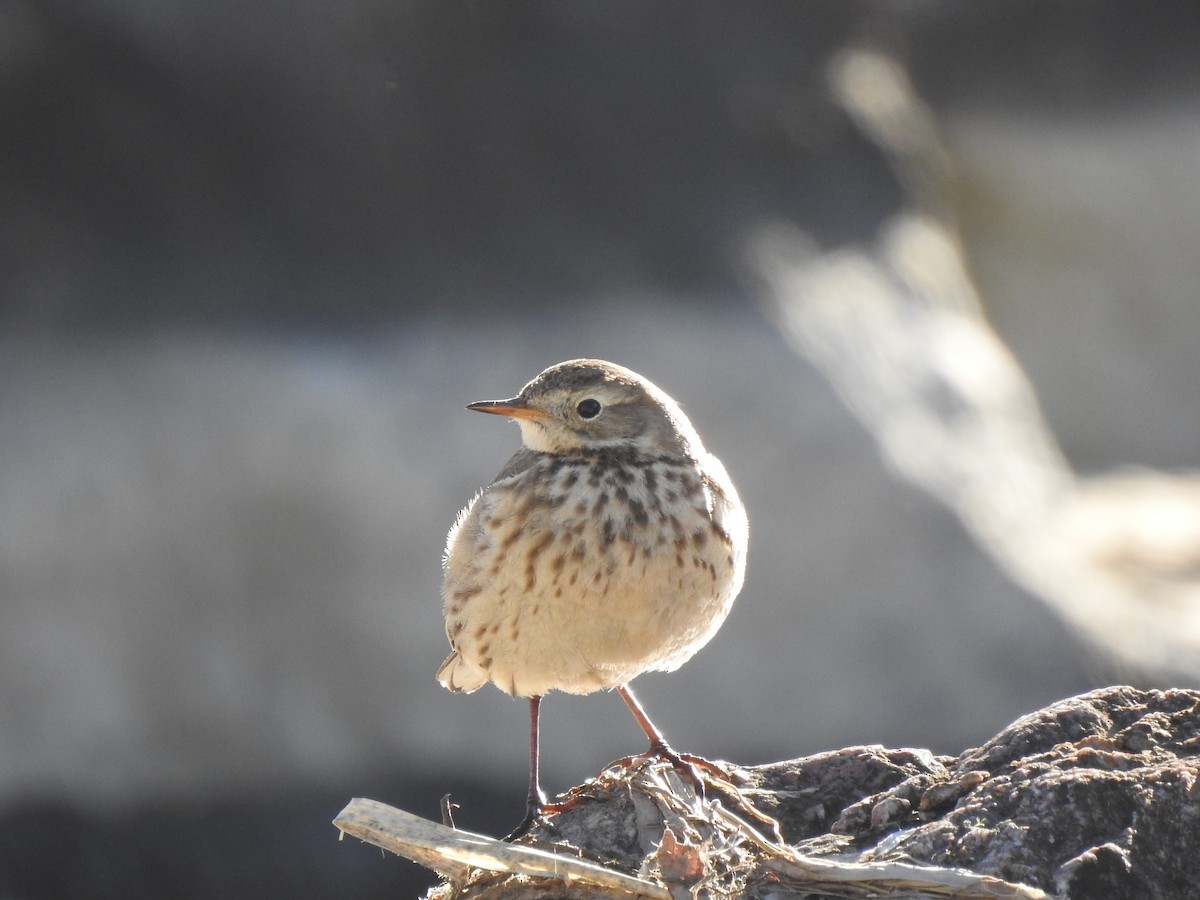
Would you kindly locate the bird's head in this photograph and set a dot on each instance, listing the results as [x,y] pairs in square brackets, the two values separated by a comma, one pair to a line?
[589,404]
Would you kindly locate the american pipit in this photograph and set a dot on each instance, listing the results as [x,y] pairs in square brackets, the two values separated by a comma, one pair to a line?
[611,544]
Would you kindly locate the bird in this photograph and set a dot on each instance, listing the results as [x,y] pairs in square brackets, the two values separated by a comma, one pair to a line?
[611,544]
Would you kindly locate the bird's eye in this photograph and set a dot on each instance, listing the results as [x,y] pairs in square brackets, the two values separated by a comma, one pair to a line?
[588,409]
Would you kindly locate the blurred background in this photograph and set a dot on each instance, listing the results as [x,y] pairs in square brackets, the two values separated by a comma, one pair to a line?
[257,257]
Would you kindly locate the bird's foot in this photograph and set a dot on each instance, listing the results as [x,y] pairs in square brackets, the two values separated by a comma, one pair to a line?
[685,764]
[535,813]
[710,778]
[532,815]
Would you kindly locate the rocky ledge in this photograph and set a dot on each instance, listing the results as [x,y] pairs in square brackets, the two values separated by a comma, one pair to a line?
[1093,797]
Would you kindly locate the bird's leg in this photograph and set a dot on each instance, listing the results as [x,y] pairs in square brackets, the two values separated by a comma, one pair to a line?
[658,744]
[535,801]
[691,766]
[536,804]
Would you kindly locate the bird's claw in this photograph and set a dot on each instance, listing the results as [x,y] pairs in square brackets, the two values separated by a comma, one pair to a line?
[536,812]
[719,782]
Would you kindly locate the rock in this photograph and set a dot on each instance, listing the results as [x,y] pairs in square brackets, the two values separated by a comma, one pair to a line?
[1093,797]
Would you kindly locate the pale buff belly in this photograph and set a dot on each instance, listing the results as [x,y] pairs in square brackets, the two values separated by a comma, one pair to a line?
[577,601]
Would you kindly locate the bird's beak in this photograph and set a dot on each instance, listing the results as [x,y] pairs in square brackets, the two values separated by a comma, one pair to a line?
[515,408]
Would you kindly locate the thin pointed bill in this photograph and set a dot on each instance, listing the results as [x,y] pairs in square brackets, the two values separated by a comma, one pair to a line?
[515,408]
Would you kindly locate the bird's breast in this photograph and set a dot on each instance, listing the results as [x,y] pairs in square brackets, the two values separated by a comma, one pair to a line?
[585,572]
